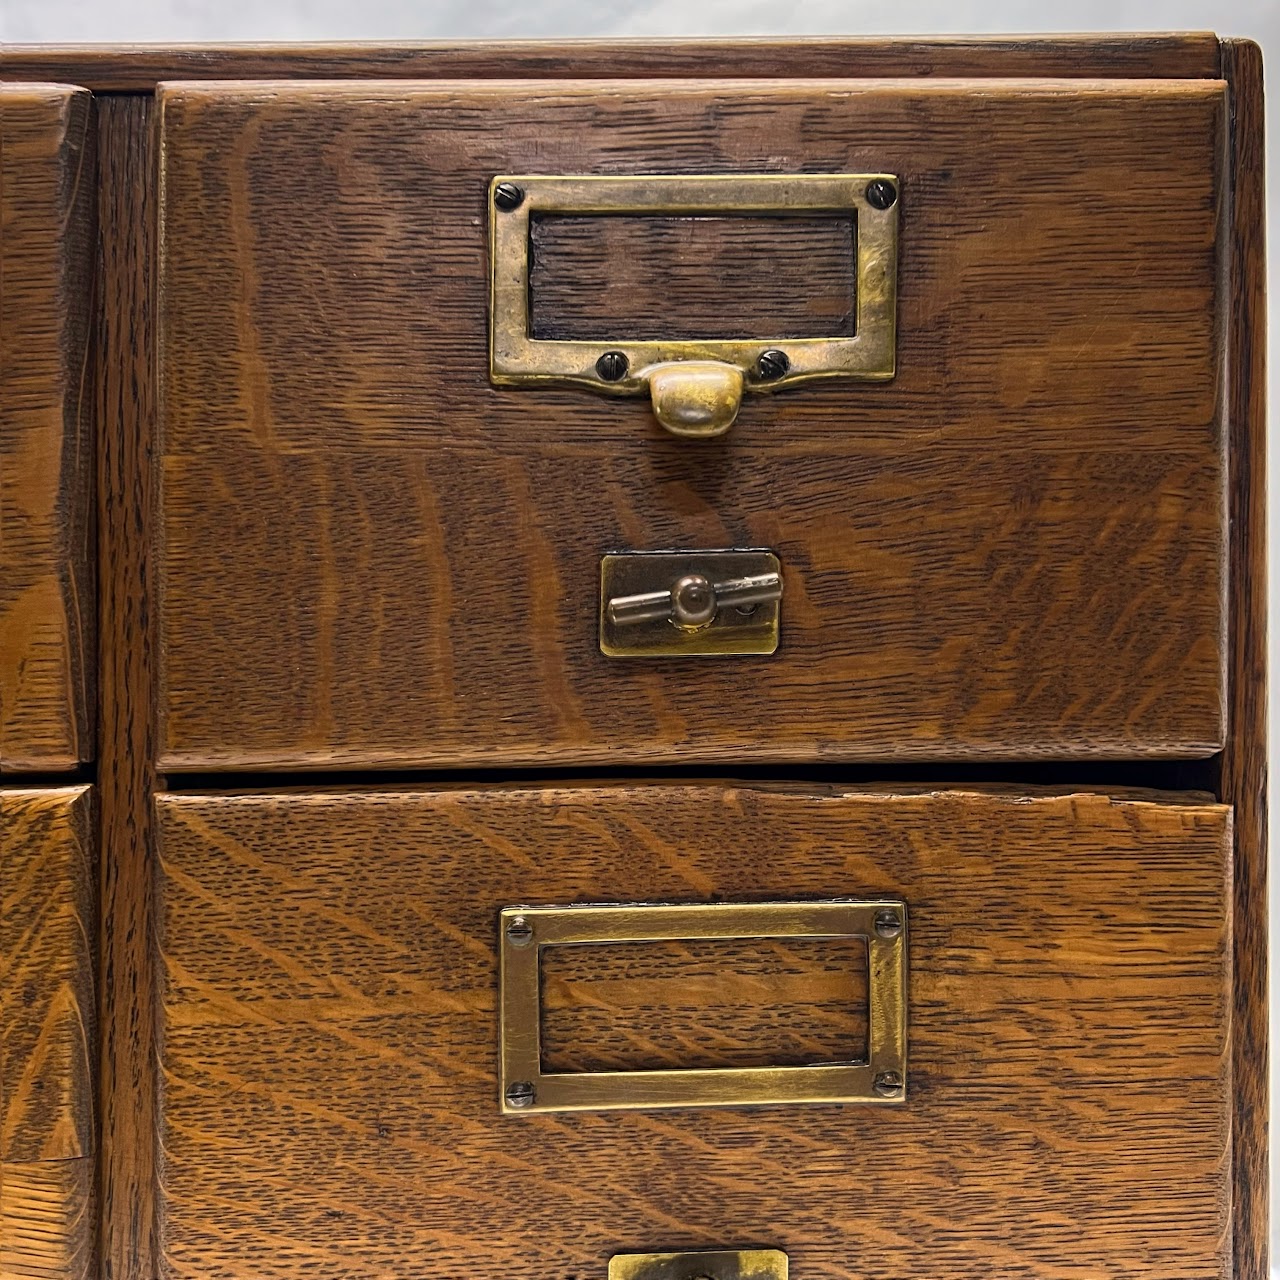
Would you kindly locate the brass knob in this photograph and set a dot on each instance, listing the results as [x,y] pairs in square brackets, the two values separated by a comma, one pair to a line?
[695,397]
[693,601]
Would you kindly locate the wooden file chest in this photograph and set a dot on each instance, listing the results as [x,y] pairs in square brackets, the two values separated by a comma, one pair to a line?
[633,661]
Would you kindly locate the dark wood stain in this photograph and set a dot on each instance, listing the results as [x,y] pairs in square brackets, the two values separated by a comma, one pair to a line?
[372,557]
[47,230]
[330,1038]
[126,772]
[677,278]
[1012,562]
[1193,56]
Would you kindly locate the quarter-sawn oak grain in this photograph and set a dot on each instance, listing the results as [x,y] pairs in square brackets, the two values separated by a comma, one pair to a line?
[709,277]
[47,1221]
[47,227]
[48,913]
[755,1002]
[372,557]
[330,1038]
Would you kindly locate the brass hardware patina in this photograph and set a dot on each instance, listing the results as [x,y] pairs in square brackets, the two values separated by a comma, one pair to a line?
[525,1089]
[696,387]
[686,603]
[725,1264]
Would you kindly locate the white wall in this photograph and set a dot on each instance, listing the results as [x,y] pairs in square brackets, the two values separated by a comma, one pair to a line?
[256,20]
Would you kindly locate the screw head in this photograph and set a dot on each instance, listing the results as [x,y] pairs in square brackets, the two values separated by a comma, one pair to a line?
[888,923]
[772,365]
[507,196]
[881,194]
[888,1084]
[519,932]
[520,1093]
[612,366]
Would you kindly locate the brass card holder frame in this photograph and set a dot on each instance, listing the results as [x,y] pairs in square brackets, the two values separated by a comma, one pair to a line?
[525,931]
[696,386]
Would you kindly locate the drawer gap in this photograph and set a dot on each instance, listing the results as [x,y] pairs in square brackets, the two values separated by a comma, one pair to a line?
[1189,776]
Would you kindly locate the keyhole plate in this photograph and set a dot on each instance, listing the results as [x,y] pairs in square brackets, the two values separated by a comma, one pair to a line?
[726,1264]
[751,630]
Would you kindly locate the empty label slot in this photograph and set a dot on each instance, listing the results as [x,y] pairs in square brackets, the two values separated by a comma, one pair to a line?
[656,278]
[750,1002]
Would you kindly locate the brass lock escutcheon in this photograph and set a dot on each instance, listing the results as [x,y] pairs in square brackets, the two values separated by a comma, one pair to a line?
[689,603]
[696,386]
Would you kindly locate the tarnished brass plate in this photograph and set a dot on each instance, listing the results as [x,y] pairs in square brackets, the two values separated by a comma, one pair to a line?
[524,932]
[734,627]
[517,357]
[725,1264]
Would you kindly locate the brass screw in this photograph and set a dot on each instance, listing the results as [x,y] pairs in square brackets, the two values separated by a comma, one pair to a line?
[772,365]
[888,1084]
[520,1094]
[888,924]
[507,196]
[612,366]
[881,194]
[519,932]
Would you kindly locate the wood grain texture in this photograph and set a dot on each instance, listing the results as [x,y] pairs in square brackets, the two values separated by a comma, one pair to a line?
[47,1221]
[121,67]
[677,277]
[47,163]
[1244,761]
[373,557]
[330,1038]
[743,1003]
[48,921]
[126,772]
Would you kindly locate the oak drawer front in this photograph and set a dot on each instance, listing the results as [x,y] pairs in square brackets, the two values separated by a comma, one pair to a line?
[330,1035]
[47,226]
[48,1049]
[373,556]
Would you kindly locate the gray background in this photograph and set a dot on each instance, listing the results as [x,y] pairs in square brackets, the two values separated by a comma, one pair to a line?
[134,21]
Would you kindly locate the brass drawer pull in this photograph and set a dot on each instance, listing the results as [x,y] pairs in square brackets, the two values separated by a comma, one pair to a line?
[692,602]
[695,386]
[525,932]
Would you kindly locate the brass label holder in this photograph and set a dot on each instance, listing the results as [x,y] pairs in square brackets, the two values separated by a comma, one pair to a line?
[524,932]
[722,1264]
[695,387]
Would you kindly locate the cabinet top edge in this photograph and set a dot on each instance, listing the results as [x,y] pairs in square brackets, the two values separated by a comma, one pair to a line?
[138,68]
